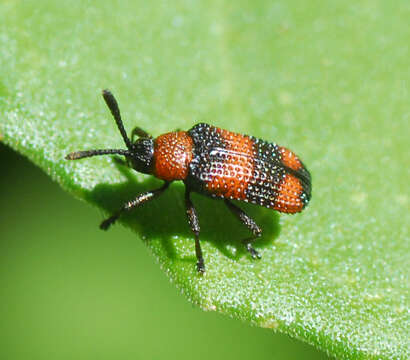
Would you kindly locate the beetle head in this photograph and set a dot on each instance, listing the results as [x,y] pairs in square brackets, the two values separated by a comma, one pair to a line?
[141,155]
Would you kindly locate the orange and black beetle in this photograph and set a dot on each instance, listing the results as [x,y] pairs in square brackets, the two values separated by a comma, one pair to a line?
[214,162]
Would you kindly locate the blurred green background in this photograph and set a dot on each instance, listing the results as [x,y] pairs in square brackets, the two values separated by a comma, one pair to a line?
[72,291]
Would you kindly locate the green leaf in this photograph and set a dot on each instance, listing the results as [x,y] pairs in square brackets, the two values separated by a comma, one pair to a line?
[330,81]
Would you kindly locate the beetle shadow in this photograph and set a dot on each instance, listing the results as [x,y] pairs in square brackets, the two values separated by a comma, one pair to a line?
[165,217]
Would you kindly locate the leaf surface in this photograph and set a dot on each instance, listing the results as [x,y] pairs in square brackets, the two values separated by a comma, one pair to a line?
[329,81]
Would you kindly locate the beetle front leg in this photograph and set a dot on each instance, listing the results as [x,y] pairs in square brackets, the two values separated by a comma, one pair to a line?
[137,131]
[194,224]
[139,200]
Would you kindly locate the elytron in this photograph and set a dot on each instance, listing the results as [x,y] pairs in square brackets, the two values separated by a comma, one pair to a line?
[216,163]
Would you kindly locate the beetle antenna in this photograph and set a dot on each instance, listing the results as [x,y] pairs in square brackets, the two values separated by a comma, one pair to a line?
[88,153]
[115,111]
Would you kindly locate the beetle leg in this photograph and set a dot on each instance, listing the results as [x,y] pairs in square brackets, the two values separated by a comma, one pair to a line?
[139,200]
[137,131]
[194,224]
[250,224]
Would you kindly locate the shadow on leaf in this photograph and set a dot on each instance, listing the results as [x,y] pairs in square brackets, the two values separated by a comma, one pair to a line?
[164,218]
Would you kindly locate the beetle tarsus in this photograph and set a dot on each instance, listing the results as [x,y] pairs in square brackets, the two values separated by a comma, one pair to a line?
[200,266]
[108,222]
[255,254]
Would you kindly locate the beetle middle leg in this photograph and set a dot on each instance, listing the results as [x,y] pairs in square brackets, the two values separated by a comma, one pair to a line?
[250,224]
[139,200]
[194,224]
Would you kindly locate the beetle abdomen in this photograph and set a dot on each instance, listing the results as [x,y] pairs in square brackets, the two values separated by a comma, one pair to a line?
[241,167]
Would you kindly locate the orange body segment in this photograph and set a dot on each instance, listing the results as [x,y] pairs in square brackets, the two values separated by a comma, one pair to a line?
[230,177]
[289,158]
[288,199]
[172,155]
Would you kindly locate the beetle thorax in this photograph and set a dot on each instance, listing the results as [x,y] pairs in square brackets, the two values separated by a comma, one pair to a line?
[172,155]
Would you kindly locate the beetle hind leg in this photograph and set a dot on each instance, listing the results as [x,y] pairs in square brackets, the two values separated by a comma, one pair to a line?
[250,224]
[194,224]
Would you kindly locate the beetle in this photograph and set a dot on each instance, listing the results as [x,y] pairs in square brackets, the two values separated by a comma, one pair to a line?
[214,162]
